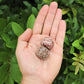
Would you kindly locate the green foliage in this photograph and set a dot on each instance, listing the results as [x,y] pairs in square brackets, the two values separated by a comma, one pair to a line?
[34,11]
[77,45]
[15,19]
[2,24]
[30,21]
[65,11]
[18,30]
[47,1]
[4,56]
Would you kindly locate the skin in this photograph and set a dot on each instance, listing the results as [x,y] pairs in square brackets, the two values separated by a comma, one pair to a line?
[48,23]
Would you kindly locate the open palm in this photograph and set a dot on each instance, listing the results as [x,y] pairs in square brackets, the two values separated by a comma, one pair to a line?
[48,24]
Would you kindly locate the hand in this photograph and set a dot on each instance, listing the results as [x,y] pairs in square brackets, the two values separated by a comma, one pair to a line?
[48,24]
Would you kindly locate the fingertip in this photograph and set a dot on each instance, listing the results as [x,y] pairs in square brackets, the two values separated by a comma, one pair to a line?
[62,26]
[54,3]
[29,29]
[59,10]
[43,10]
[45,7]
[26,35]
[63,23]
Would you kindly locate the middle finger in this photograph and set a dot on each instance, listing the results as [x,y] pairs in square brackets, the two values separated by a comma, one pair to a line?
[49,19]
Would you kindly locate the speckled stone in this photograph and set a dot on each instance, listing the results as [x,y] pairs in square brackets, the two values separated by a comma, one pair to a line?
[43,52]
[48,43]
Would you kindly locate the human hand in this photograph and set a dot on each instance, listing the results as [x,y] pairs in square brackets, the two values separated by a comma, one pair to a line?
[47,24]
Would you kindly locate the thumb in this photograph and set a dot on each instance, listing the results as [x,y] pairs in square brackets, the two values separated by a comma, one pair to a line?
[25,36]
[23,40]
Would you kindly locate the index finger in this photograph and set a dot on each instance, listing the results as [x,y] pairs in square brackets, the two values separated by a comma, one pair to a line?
[40,20]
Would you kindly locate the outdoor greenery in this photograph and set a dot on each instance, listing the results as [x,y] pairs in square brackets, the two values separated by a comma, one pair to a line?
[18,15]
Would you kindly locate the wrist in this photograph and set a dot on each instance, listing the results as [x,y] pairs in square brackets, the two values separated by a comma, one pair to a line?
[31,80]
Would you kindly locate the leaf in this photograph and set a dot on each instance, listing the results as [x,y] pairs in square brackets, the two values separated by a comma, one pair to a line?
[81,67]
[15,72]
[75,26]
[39,6]
[68,32]
[82,29]
[75,58]
[80,2]
[72,68]
[2,24]
[77,45]
[80,15]
[5,37]
[71,1]
[9,81]
[75,82]
[83,36]
[26,3]
[47,1]
[5,7]
[75,63]
[71,75]
[4,56]
[65,11]
[66,70]
[30,21]
[82,61]
[72,50]
[11,44]
[75,54]
[76,69]
[0,0]
[66,40]
[74,12]
[66,80]
[17,29]
[34,11]
[14,60]
[8,28]
[37,1]
[67,2]
[81,56]
[3,73]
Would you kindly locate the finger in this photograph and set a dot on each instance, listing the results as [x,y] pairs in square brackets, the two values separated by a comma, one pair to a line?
[40,19]
[24,38]
[61,33]
[49,19]
[56,23]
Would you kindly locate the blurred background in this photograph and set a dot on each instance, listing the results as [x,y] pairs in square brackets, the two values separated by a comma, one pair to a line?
[17,15]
